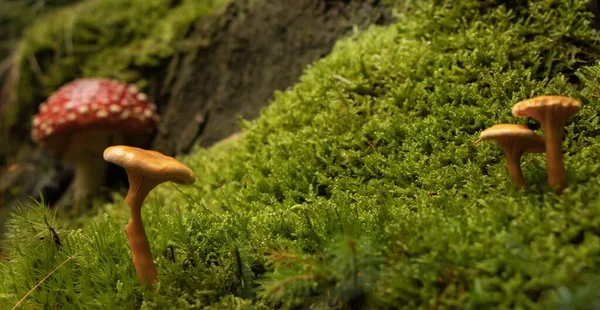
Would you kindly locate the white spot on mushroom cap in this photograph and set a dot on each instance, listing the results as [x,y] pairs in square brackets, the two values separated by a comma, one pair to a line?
[83,109]
[88,101]
[114,108]
[127,101]
[69,106]
[132,89]
[148,113]
[102,114]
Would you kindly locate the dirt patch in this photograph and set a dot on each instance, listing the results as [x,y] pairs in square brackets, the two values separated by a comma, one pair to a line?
[245,54]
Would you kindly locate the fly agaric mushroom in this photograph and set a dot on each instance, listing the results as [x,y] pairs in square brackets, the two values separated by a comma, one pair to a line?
[514,140]
[552,113]
[84,117]
[145,170]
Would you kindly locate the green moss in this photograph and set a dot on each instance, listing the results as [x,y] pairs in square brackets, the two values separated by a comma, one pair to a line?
[100,38]
[362,184]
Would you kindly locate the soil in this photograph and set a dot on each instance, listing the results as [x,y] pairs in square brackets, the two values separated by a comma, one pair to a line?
[245,54]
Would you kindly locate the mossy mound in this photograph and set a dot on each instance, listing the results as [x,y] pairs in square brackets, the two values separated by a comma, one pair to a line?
[362,187]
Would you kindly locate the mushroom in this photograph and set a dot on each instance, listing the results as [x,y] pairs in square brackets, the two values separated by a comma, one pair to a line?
[84,117]
[552,113]
[514,140]
[145,170]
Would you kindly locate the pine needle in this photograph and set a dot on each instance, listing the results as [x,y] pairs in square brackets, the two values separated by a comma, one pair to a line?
[192,199]
[42,281]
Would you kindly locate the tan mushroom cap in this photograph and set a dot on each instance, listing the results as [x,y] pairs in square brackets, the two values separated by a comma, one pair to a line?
[530,141]
[538,107]
[552,113]
[514,140]
[150,164]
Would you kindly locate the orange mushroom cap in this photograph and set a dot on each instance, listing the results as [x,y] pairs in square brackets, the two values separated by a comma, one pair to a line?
[514,140]
[150,164]
[556,109]
[552,112]
[519,136]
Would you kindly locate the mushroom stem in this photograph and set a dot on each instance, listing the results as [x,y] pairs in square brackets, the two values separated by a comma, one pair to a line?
[145,170]
[140,250]
[139,188]
[89,175]
[90,169]
[514,140]
[552,112]
[514,169]
[557,176]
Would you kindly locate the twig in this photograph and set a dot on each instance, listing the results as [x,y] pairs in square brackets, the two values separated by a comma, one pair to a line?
[227,200]
[236,216]
[341,79]
[54,233]
[5,65]
[42,281]
[192,199]
[9,170]
[2,194]
[9,78]
[69,37]
[35,68]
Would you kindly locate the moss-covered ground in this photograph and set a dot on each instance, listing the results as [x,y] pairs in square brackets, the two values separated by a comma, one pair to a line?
[362,187]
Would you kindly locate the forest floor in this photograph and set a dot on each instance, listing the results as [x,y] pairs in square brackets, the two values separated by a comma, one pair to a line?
[362,186]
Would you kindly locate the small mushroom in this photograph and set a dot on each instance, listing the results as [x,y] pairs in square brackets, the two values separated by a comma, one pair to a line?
[552,113]
[84,117]
[145,170]
[514,140]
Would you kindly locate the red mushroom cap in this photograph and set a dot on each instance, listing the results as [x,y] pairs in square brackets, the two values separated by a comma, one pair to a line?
[90,103]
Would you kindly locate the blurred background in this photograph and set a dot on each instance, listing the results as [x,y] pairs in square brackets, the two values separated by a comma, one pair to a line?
[206,64]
